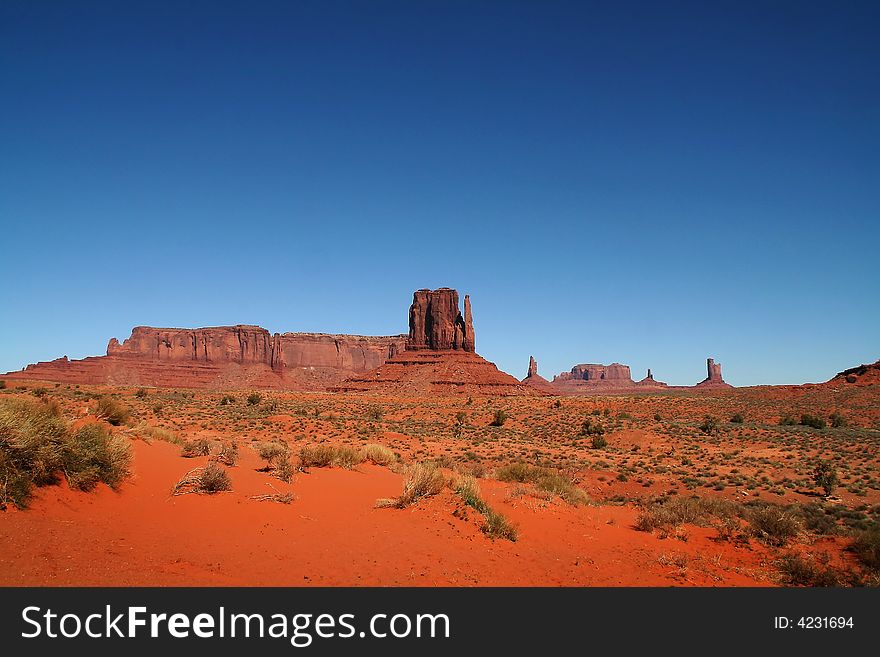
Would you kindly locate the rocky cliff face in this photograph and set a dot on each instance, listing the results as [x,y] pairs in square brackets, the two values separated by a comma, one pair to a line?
[239,356]
[436,323]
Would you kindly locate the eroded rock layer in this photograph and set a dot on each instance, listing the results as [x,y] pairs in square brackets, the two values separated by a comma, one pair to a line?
[241,356]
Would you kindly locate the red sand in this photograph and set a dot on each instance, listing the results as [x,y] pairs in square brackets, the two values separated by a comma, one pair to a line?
[331,534]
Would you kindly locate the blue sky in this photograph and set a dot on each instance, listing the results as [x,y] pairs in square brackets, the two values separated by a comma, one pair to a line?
[647,183]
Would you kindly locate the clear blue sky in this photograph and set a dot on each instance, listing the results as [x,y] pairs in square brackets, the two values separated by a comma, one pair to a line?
[649,183]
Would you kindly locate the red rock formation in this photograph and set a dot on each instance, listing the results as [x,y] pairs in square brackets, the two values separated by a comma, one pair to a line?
[713,378]
[862,375]
[435,321]
[223,357]
[597,373]
[649,382]
[536,380]
[439,356]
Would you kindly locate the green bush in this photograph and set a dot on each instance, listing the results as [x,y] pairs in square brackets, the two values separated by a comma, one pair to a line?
[825,476]
[787,421]
[837,420]
[797,571]
[254,398]
[92,455]
[590,428]
[599,442]
[808,420]
[709,425]
[737,418]
[226,400]
[499,419]
[867,547]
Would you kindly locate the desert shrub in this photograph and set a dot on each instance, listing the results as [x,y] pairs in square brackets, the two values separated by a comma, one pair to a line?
[773,525]
[316,456]
[657,417]
[141,393]
[808,420]
[421,480]
[112,410]
[271,406]
[39,392]
[37,444]
[226,400]
[375,413]
[228,454]
[709,425]
[543,479]
[92,455]
[254,398]
[837,420]
[270,452]
[825,476]
[599,442]
[347,457]
[787,421]
[590,428]
[668,514]
[797,571]
[209,479]
[193,448]
[379,454]
[557,403]
[148,433]
[157,408]
[866,547]
[499,418]
[283,469]
[737,418]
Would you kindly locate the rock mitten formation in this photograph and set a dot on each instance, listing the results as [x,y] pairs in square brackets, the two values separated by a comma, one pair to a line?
[439,356]
[536,380]
[436,323]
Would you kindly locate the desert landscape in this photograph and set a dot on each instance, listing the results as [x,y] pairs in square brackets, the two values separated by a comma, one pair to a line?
[230,456]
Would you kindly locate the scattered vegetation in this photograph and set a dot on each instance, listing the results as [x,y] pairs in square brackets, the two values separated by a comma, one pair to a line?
[193,448]
[420,480]
[813,421]
[543,479]
[254,398]
[773,525]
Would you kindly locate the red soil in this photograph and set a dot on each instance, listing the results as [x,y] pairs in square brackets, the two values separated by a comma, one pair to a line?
[331,534]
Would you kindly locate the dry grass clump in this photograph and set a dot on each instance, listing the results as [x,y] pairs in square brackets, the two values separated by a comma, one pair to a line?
[112,410]
[193,448]
[666,516]
[347,457]
[421,480]
[209,479]
[316,456]
[495,525]
[228,454]
[378,454]
[773,525]
[147,433]
[544,479]
[37,445]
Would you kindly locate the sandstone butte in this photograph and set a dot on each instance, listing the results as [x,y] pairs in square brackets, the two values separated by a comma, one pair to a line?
[593,378]
[440,355]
